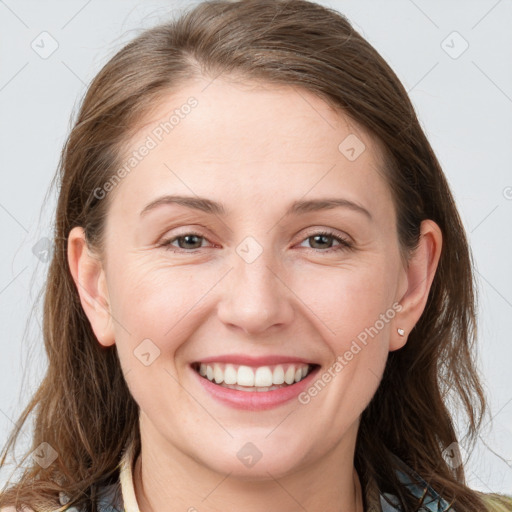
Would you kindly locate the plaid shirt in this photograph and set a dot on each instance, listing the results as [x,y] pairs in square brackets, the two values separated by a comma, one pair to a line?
[120,496]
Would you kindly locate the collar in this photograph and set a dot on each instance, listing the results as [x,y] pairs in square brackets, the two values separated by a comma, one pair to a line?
[127,463]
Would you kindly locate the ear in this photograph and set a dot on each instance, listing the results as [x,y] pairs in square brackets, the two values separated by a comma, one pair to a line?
[418,278]
[89,276]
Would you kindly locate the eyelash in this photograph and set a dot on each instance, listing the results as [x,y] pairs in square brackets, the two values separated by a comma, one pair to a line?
[344,243]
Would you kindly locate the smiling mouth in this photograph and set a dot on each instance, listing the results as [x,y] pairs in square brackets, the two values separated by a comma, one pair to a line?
[250,378]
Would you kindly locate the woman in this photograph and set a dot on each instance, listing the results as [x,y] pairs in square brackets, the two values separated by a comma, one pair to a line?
[258,368]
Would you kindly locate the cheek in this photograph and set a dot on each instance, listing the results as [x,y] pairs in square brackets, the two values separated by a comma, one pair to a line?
[152,300]
[348,299]
[353,311]
[155,309]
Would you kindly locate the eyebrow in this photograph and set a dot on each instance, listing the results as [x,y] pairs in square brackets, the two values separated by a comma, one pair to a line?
[297,207]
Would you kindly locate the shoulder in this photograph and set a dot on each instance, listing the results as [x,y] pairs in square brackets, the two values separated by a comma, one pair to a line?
[494,502]
[497,502]
[109,499]
[13,509]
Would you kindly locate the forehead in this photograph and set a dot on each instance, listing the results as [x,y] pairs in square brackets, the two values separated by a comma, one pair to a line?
[229,138]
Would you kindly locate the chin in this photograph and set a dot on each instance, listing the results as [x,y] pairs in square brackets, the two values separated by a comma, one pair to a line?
[251,461]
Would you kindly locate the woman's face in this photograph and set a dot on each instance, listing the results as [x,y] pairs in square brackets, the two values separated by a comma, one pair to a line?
[251,276]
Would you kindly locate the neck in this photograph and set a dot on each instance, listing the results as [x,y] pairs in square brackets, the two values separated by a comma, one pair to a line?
[166,480]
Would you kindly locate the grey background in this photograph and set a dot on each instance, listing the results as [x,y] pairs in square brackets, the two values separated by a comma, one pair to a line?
[464,103]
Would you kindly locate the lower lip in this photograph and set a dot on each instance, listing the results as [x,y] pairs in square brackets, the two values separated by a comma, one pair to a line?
[256,400]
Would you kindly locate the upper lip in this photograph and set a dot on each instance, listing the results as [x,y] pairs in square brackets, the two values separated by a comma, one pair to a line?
[243,359]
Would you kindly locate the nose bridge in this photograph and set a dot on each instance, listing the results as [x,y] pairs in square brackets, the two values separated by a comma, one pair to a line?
[253,262]
[255,298]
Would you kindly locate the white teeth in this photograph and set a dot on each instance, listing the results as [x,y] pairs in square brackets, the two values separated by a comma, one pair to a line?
[289,376]
[230,374]
[245,376]
[245,388]
[264,378]
[278,375]
[218,374]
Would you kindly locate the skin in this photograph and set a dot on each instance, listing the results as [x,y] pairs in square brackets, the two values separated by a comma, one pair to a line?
[255,149]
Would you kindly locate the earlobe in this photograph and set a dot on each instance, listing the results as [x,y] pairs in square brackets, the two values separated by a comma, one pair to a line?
[89,277]
[419,277]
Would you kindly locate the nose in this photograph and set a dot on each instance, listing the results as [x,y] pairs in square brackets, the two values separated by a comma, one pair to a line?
[254,296]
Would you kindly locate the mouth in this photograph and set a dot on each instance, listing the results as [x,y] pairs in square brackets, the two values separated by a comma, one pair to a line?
[247,378]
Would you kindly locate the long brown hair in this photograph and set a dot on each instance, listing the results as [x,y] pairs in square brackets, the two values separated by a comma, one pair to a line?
[83,408]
